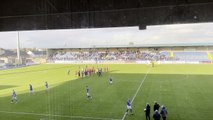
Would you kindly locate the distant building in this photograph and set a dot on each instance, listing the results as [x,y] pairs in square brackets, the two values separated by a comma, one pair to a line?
[10,56]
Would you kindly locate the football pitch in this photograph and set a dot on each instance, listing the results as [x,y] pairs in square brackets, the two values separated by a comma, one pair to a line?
[185,90]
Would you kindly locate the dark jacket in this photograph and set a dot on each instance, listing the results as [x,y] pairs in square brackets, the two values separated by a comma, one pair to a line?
[156,106]
[147,111]
[156,116]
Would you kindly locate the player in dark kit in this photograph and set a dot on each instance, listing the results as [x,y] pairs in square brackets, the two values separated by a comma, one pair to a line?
[31,89]
[147,111]
[79,73]
[46,86]
[110,80]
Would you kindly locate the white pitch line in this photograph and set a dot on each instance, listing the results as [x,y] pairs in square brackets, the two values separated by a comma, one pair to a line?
[62,116]
[137,90]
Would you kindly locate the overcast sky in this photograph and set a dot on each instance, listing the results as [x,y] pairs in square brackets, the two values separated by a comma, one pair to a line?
[80,38]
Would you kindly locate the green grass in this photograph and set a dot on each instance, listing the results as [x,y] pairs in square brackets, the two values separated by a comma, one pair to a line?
[186,91]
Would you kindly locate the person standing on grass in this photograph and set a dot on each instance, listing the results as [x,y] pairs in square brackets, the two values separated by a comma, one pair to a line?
[156,106]
[14,99]
[147,111]
[31,89]
[68,72]
[88,93]
[101,72]
[153,64]
[79,73]
[163,112]
[82,73]
[129,106]
[110,80]
[156,115]
[76,73]
[46,86]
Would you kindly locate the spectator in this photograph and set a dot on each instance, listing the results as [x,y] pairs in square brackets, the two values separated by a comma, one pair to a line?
[156,106]
[147,111]
[156,115]
[163,112]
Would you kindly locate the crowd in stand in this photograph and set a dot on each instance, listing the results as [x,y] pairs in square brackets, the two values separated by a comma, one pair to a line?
[126,55]
[106,55]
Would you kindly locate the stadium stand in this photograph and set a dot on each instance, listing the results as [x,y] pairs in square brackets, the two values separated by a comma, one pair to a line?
[127,54]
[108,54]
[102,55]
[165,55]
[191,56]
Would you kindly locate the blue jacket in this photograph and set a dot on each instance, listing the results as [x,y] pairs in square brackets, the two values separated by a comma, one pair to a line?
[163,112]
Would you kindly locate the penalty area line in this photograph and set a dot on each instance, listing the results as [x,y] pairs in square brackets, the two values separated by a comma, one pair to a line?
[137,91]
[53,115]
